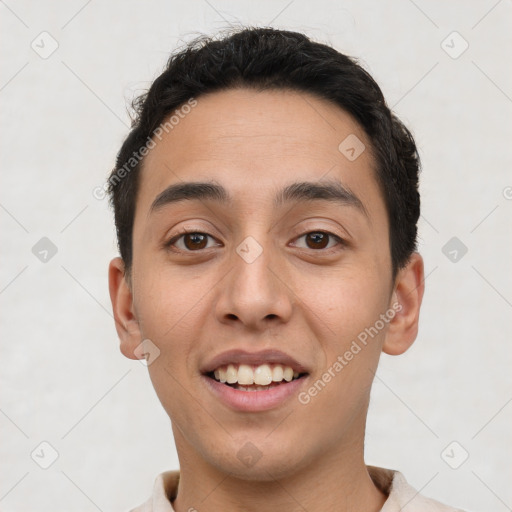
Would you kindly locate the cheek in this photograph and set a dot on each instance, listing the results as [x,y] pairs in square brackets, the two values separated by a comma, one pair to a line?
[167,302]
[169,314]
[351,347]
[345,304]
[347,319]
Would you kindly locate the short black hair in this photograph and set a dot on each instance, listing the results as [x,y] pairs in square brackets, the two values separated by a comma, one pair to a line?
[265,58]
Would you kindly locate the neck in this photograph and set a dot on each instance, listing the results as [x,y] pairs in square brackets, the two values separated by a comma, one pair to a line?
[336,481]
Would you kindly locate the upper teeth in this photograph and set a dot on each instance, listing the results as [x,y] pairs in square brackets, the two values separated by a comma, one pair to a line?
[261,375]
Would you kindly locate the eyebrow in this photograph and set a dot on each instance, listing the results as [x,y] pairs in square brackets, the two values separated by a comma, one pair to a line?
[333,191]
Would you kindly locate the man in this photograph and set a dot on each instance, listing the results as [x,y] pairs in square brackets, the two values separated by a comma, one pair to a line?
[266,202]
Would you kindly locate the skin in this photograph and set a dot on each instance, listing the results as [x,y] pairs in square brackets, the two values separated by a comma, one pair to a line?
[306,301]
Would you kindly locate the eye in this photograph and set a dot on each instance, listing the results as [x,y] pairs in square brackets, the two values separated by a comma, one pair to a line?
[193,241]
[190,241]
[318,240]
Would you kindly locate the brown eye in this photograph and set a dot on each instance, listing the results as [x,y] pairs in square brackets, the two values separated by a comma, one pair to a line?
[194,241]
[190,241]
[317,240]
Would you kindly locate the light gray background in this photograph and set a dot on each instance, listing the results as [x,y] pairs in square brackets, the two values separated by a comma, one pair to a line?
[64,380]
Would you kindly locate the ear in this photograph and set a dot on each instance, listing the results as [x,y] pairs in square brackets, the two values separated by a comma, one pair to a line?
[127,325]
[406,298]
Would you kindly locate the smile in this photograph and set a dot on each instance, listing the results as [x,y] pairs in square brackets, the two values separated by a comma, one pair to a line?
[245,377]
[254,397]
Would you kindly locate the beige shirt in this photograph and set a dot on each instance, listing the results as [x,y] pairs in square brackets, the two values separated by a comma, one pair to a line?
[401,496]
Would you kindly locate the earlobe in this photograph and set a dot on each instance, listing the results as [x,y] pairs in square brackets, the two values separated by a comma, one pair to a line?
[406,301]
[127,325]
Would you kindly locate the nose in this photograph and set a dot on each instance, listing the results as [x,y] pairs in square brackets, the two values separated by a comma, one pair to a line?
[255,292]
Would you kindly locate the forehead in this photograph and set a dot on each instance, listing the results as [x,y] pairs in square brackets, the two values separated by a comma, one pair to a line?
[256,141]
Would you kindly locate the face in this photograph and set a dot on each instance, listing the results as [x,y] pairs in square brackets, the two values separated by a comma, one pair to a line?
[281,281]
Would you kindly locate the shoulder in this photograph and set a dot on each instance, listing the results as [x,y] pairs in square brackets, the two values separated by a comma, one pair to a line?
[405,498]
[164,491]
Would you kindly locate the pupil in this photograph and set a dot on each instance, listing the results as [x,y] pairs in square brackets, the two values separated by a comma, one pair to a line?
[319,240]
[197,239]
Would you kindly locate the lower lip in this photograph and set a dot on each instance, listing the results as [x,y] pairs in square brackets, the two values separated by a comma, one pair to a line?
[254,401]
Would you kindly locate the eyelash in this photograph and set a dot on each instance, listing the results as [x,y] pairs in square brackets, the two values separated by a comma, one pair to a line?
[170,243]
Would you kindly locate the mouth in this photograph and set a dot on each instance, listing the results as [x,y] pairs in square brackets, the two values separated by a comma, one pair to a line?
[254,381]
[247,377]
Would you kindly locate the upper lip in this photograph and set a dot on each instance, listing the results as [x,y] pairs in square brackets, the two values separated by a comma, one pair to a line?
[238,356]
